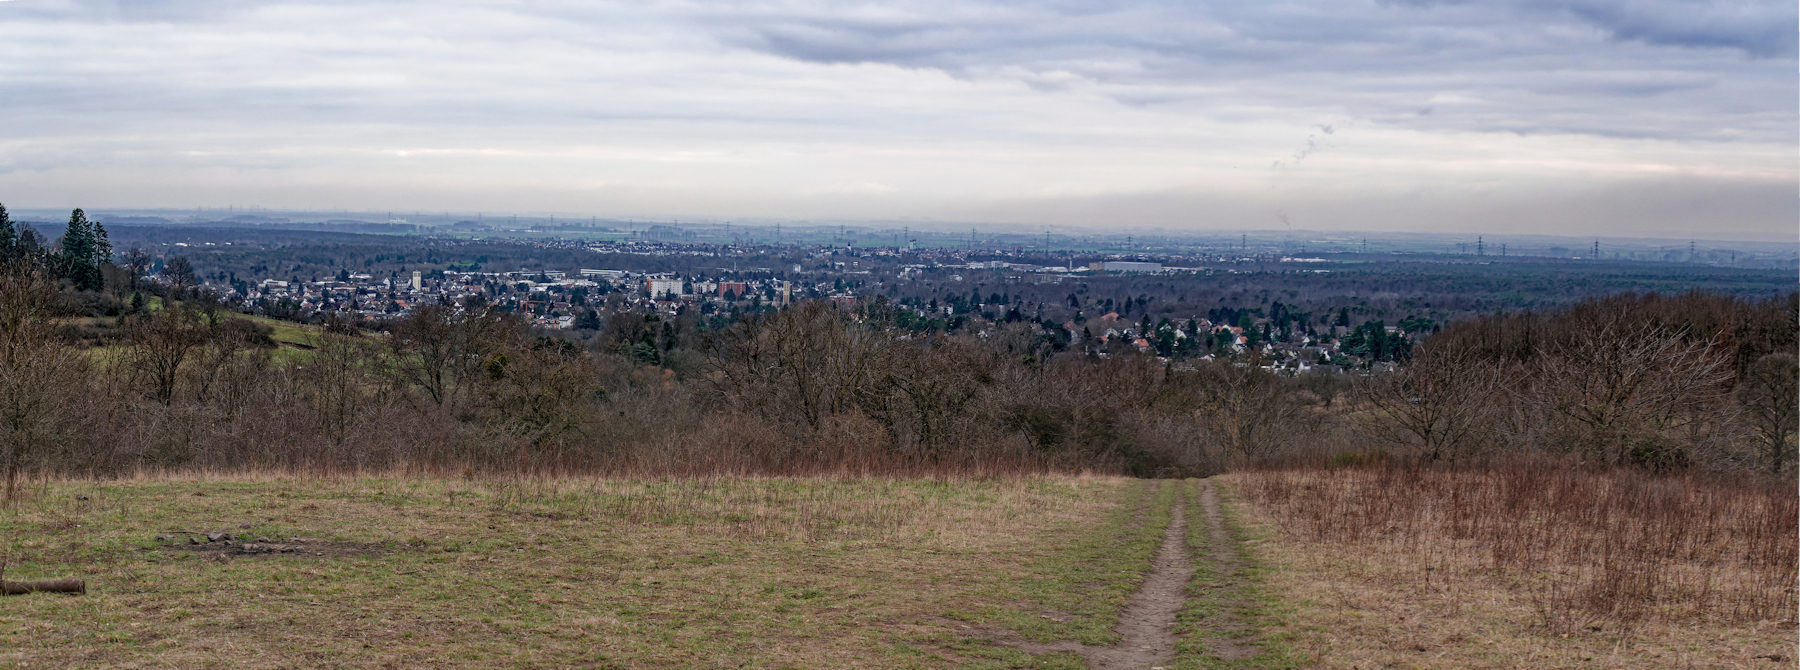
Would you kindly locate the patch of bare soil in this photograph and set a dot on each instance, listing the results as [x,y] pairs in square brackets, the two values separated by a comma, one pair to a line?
[1228,566]
[1147,626]
[227,546]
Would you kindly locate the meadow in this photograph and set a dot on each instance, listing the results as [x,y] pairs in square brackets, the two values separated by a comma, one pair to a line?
[1524,565]
[745,572]
[1331,567]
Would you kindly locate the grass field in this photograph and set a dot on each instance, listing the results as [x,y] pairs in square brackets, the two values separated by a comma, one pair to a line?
[286,333]
[1381,602]
[748,572]
[406,572]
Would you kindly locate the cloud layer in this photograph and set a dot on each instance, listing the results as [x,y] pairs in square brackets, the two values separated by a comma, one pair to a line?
[1393,114]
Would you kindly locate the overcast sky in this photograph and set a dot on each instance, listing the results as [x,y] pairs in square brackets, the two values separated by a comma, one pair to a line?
[1618,117]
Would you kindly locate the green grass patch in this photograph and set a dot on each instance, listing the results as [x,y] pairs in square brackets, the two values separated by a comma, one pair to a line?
[1243,596]
[287,332]
[1076,586]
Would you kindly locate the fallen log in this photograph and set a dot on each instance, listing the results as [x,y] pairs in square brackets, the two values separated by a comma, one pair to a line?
[46,586]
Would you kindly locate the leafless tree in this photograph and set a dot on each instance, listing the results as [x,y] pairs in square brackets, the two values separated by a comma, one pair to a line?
[1632,390]
[801,365]
[437,346]
[935,391]
[342,379]
[37,371]
[1327,386]
[159,344]
[541,390]
[1770,392]
[179,274]
[1440,405]
[228,355]
[1083,410]
[1248,411]
[136,264]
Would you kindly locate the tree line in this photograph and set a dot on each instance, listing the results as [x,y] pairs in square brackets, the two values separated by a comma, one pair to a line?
[77,256]
[1662,383]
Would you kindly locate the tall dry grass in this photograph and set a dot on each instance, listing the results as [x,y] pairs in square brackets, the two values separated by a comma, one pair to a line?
[1587,546]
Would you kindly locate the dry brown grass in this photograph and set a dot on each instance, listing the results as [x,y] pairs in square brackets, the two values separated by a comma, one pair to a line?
[1527,566]
[768,572]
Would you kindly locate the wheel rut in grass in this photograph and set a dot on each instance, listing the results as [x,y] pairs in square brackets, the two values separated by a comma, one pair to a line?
[1226,580]
[1147,626]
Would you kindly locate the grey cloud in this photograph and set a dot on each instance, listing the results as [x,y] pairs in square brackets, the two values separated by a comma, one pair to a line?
[820,88]
[1760,29]
[138,11]
[1383,60]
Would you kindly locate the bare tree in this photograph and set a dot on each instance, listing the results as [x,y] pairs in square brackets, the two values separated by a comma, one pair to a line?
[1439,405]
[230,350]
[438,346]
[160,344]
[36,371]
[1327,386]
[541,390]
[1083,409]
[1633,390]
[179,274]
[341,380]
[1248,411]
[801,365]
[136,264]
[1770,391]
[935,392]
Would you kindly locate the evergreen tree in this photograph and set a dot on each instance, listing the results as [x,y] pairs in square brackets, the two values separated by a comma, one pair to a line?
[30,245]
[103,251]
[76,262]
[590,320]
[9,237]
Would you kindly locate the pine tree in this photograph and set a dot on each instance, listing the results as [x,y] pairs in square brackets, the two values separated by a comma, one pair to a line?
[590,320]
[103,251]
[76,261]
[9,237]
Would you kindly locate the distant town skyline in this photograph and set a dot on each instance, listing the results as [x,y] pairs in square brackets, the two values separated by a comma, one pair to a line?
[1582,118]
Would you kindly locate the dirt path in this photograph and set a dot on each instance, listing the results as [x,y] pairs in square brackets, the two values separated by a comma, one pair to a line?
[1219,587]
[1147,626]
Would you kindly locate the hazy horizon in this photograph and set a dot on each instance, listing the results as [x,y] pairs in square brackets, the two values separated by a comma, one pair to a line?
[873,228]
[1586,118]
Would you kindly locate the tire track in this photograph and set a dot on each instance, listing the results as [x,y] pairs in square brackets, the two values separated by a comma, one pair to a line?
[1224,626]
[1147,626]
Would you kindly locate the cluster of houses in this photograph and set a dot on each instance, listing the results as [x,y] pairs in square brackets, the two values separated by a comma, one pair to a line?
[577,299]
[1304,356]
[555,299]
